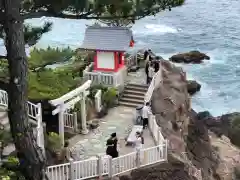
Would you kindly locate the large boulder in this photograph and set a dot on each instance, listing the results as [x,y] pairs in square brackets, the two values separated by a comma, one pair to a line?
[189,57]
[193,87]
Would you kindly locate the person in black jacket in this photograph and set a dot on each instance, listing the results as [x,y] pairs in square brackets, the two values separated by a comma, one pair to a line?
[145,55]
[147,72]
[115,142]
[110,148]
[157,64]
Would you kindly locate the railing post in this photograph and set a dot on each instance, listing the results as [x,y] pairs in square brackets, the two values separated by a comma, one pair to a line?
[99,78]
[166,149]
[158,136]
[75,123]
[110,167]
[99,166]
[71,169]
[138,158]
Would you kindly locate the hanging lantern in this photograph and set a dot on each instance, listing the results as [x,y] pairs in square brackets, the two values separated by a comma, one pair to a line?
[131,43]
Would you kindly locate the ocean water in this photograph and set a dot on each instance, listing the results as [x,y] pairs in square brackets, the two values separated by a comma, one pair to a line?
[210,26]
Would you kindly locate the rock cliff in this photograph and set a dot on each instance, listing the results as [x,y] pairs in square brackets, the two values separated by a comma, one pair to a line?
[182,126]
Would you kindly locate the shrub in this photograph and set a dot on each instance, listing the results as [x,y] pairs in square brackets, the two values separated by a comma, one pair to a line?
[14,161]
[50,84]
[93,90]
[54,142]
[110,97]
[42,57]
[234,132]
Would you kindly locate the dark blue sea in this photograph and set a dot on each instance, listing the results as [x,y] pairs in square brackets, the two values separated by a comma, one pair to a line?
[210,26]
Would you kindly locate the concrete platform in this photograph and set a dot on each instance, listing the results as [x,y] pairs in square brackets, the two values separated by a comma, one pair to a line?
[119,120]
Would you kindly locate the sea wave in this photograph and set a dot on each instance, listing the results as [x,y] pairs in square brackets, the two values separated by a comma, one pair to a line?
[157,29]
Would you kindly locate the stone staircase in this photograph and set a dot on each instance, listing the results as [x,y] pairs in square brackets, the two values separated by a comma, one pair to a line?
[133,95]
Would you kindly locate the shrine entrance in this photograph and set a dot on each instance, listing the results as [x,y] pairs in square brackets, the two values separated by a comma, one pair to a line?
[68,101]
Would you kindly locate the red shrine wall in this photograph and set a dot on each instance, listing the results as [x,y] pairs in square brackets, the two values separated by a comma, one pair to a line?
[108,61]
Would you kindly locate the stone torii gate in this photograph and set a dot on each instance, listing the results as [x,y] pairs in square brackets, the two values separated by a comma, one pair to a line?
[69,100]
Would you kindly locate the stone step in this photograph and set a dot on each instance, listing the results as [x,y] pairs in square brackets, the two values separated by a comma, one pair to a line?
[145,86]
[132,100]
[136,88]
[133,96]
[128,104]
[134,92]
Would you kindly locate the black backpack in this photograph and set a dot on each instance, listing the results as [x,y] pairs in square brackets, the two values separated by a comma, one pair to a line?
[142,140]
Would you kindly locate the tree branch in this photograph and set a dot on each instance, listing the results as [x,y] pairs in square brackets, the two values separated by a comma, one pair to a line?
[48,13]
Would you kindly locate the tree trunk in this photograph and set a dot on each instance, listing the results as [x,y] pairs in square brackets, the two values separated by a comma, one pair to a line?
[32,160]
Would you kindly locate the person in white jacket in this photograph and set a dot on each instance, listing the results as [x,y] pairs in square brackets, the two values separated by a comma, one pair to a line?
[151,72]
[145,114]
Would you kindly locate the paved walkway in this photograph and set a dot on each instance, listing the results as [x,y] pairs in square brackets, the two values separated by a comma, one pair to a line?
[138,77]
[120,120]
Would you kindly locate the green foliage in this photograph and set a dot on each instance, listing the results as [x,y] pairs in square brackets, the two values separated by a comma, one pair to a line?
[39,58]
[93,90]
[5,137]
[10,169]
[109,97]
[3,68]
[113,12]
[13,161]
[50,84]
[54,142]
[235,131]
[33,34]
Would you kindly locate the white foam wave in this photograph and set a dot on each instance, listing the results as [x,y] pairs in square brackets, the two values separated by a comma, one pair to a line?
[158,28]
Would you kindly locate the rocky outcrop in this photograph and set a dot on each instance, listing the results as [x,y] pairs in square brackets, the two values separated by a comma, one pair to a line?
[195,57]
[172,170]
[193,87]
[199,148]
[220,125]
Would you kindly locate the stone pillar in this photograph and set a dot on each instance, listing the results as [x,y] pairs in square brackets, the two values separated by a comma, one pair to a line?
[61,123]
[83,115]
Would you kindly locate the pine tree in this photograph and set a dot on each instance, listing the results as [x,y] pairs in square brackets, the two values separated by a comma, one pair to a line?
[12,15]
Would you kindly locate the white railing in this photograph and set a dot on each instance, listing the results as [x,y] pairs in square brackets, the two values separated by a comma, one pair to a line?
[121,76]
[108,79]
[59,172]
[155,154]
[85,169]
[3,98]
[98,100]
[100,78]
[155,130]
[157,79]
[105,165]
[34,112]
[132,60]
[70,120]
[124,163]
